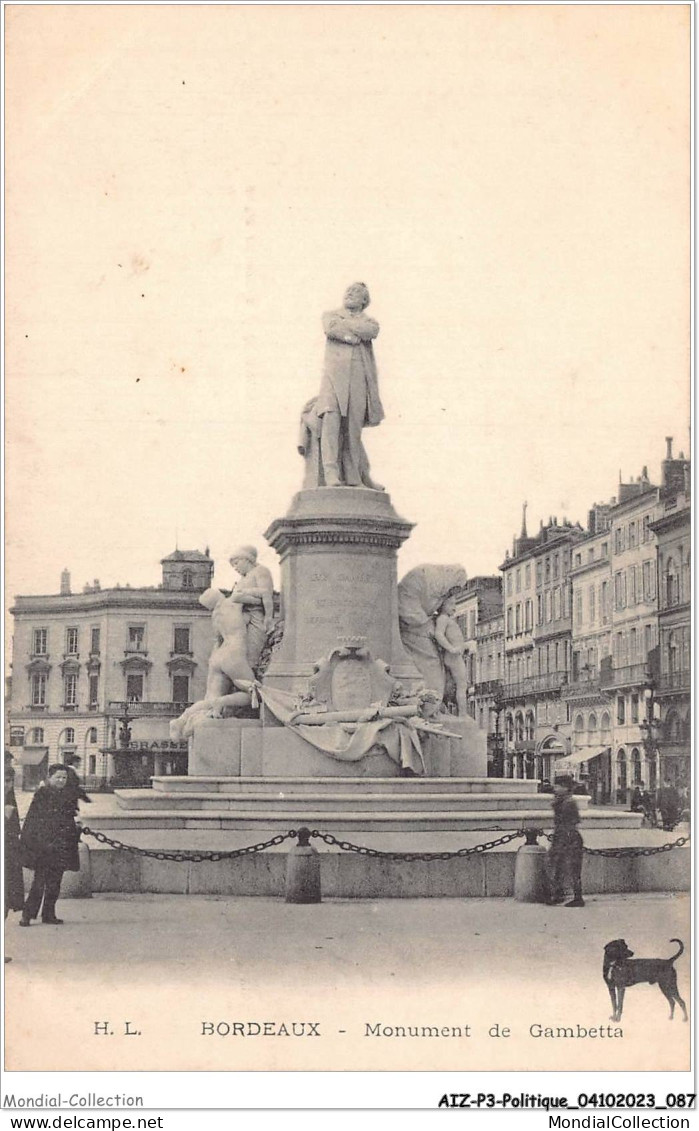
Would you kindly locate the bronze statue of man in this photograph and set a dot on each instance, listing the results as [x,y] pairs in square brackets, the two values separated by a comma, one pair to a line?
[349,393]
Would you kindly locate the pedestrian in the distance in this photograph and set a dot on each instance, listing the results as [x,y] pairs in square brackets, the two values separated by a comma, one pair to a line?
[642,802]
[669,804]
[49,843]
[566,851]
[14,880]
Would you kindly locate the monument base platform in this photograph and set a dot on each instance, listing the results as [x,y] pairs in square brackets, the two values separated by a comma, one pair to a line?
[345,806]
[249,748]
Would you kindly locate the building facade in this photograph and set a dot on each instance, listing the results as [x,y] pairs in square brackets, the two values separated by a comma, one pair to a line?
[83,663]
[672,688]
[537,599]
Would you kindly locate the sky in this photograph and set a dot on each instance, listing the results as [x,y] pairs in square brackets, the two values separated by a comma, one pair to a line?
[189,188]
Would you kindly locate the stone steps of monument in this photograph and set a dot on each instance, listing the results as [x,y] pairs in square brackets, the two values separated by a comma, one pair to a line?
[403,786]
[364,799]
[264,822]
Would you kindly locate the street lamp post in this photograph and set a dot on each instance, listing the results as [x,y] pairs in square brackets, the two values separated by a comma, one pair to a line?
[650,730]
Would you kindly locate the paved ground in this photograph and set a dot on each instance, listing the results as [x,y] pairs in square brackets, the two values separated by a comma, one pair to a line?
[174,966]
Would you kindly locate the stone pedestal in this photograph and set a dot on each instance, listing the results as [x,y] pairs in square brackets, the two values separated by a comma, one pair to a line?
[337,547]
[245,748]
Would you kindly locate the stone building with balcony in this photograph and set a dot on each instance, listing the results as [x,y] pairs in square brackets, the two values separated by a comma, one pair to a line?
[621,682]
[673,683]
[589,705]
[78,659]
[633,672]
[537,603]
[486,692]
[478,600]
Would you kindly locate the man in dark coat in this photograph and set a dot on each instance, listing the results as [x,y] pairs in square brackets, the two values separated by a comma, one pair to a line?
[566,851]
[49,845]
[669,804]
[73,787]
[14,881]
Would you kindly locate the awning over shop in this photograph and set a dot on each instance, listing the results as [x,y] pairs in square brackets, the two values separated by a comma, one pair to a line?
[570,761]
[34,755]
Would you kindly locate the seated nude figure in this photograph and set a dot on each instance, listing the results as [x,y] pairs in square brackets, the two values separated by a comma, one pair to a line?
[228,664]
[449,638]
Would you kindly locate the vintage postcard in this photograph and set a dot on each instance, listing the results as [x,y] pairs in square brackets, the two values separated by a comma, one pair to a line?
[348,539]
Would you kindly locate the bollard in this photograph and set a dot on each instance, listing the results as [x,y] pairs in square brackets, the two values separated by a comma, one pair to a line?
[78,885]
[303,871]
[531,876]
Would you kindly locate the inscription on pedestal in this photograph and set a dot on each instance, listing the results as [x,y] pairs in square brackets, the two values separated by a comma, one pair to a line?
[349,602]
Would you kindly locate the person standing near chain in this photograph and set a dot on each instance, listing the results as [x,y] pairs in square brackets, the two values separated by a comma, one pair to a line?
[49,844]
[566,851]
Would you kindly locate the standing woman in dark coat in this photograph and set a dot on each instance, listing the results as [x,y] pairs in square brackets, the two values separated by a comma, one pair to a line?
[49,845]
[14,881]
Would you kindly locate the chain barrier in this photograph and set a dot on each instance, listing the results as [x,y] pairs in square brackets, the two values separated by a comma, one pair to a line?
[364,850]
[631,852]
[156,854]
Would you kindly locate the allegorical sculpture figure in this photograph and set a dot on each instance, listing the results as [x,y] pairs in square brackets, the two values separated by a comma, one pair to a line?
[241,622]
[332,423]
[449,637]
[254,590]
[228,663]
[420,594]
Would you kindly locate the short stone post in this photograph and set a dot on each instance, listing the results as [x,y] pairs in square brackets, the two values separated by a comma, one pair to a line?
[303,871]
[531,878]
[78,885]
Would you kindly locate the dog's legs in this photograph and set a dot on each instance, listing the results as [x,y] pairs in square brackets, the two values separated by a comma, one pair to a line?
[669,997]
[620,991]
[672,995]
[612,994]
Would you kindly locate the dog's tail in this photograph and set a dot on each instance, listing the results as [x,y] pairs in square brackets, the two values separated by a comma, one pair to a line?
[679,952]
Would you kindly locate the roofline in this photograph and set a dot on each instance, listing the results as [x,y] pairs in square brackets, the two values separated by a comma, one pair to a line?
[108,598]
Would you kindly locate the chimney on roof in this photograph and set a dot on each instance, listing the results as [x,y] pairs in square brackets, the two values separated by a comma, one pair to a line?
[65,583]
[96,584]
[668,441]
[524,521]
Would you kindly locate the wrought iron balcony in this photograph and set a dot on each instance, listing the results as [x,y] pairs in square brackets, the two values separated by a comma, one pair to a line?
[491,687]
[674,681]
[582,685]
[630,675]
[535,685]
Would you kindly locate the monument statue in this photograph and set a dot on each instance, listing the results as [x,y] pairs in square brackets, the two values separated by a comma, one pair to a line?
[255,592]
[332,423]
[449,638]
[420,594]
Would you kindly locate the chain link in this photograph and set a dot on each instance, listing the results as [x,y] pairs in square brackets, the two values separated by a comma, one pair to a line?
[197,857]
[630,852]
[364,850]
